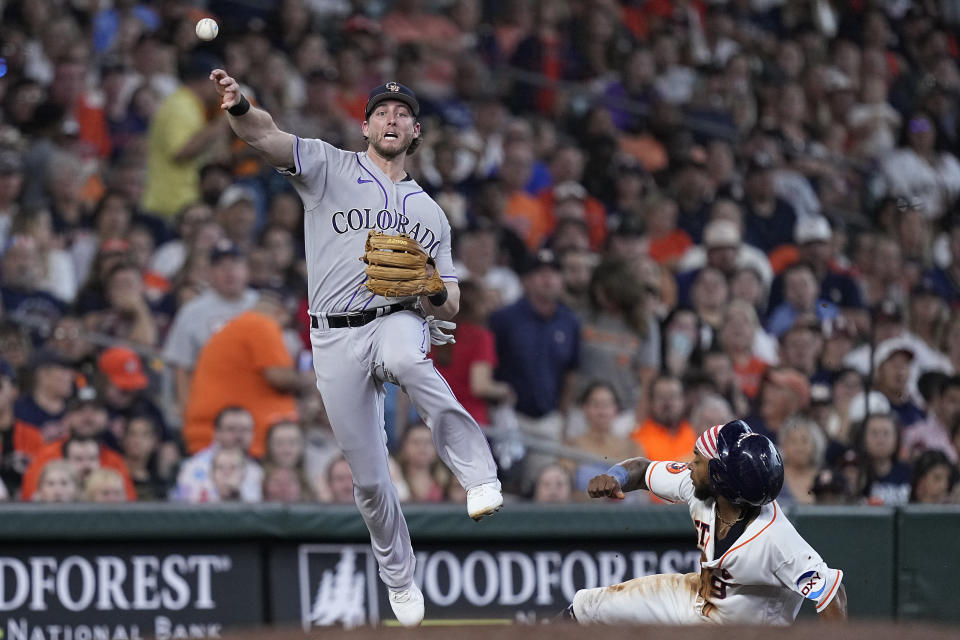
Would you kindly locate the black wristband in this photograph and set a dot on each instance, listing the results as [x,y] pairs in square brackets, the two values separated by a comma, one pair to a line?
[439,298]
[240,108]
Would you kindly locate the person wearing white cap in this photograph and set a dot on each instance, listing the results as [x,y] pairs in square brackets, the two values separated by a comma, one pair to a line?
[813,237]
[724,249]
[237,214]
[726,210]
[888,322]
[891,366]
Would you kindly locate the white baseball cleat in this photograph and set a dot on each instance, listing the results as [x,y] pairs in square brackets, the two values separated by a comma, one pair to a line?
[484,500]
[407,605]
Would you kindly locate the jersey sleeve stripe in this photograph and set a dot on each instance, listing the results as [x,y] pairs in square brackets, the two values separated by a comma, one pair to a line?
[753,537]
[296,155]
[650,475]
[829,597]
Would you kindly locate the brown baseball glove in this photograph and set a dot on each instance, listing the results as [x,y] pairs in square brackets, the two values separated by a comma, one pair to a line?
[397,267]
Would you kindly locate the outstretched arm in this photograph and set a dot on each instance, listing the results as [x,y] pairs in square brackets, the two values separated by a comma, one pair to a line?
[836,611]
[607,486]
[255,127]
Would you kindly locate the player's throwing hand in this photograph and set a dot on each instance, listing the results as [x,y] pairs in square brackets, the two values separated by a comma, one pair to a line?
[604,486]
[227,87]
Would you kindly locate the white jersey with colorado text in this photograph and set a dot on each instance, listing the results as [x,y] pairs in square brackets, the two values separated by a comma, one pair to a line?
[767,572]
[345,196]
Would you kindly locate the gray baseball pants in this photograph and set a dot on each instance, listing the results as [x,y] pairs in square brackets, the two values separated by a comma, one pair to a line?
[352,365]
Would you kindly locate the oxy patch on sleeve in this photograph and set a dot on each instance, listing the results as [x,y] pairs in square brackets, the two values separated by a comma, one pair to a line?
[677,467]
[811,585]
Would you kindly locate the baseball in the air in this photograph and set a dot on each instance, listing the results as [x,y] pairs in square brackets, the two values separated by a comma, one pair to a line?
[207,29]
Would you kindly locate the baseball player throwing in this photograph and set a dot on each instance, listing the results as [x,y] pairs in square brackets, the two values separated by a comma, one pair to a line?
[373,320]
[754,568]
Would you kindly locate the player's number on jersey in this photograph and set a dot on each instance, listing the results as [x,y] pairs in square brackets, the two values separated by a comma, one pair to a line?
[718,588]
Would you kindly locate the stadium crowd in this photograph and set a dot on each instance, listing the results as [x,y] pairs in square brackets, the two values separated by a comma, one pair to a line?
[666,214]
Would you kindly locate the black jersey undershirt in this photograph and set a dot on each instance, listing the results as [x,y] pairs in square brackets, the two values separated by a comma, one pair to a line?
[722,545]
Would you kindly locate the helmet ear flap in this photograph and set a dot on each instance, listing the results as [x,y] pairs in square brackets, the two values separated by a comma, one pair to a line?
[718,472]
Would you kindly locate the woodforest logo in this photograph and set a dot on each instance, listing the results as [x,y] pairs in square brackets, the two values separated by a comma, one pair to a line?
[105,597]
[338,586]
[108,583]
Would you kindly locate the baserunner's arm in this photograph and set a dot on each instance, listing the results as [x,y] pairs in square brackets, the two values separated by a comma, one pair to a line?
[255,127]
[836,611]
[617,481]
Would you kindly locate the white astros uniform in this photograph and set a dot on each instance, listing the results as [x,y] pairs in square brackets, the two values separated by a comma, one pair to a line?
[345,195]
[762,579]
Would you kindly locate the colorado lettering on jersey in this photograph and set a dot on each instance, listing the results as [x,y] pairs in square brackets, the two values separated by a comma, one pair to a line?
[811,585]
[385,220]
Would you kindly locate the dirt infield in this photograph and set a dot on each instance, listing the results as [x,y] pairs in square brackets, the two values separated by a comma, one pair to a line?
[853,631]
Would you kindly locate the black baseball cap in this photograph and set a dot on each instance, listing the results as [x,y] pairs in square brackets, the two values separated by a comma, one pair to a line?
[887,310]
[84,397]
[6,371]
[542,258]
[393,91]
[49,357]
[224,249]
[760,161]
[926,286]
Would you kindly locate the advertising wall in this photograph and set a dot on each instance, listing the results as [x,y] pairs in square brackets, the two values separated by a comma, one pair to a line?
[338,584]
[175,572]
[128,591]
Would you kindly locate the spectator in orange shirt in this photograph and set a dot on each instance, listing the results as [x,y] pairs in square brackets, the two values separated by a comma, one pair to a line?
[19,442]
[245,364]
[737,335]
[570,200]
[85,418]
[667,242]
[525,214]
[665,435]
[566,172]
[70,92]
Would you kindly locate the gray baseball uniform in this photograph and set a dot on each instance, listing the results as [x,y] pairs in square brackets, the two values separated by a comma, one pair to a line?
[345,195]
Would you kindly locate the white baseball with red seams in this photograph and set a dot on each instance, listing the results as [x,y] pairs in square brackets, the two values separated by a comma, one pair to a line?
[207,29]
[762,579]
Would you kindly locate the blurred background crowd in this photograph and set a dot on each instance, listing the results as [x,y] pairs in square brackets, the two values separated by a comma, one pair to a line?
[666,214]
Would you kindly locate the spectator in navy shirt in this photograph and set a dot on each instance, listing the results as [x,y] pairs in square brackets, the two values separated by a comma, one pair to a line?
[891,369]
[884,480]
[801,299]
[538,345]
[20,293]
[770,220]
[53,382]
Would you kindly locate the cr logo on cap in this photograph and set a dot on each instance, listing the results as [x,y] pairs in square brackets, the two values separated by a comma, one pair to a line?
[393,86]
